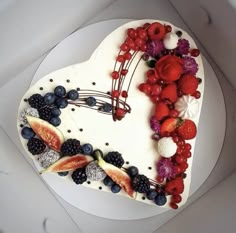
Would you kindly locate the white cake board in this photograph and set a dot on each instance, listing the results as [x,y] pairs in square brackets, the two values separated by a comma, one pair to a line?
[78,47]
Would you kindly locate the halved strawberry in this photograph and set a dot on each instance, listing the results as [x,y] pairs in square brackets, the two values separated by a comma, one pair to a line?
[161,111]
[170,93]
[188,84]
[169,125]
[187,130]
[156,31]
[175,186]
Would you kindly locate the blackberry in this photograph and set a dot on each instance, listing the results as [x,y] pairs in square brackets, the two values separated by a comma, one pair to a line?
[36,146]
[140,183]
[36,101]
[71,147]
[114,158]
[45,113]
[79,176]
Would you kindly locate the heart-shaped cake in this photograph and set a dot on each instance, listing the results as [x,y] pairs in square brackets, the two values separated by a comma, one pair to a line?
[126,120]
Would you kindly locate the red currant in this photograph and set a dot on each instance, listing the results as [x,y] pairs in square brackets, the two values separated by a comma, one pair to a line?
[177,169]
[180,142]
[124,94]
[151,79]
[179,151]
[175,139]
[183,166]
[176,198]
[142,33]
[124,72]
[139,42]
[150,73]
[120,58]
[115,94]
[124,47]
[180,159]
[180,93]
[174,205]
[115,74]
[187,154]
[141,87]
[132,33]
[146,25]
[127,56]
[120,113]
[168,28]
[187,147]
[155,99]
[174,113]
[147,89]
[159,179]
[195,52]
[156,90]
[197,94]
[143,47]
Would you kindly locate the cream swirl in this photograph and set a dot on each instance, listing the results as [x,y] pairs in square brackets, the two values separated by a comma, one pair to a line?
[188,107]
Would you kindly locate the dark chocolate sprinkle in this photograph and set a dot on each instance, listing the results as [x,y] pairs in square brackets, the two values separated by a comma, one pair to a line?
[25,100]
[107,144]
[72,109]
[94,83]
[41,88]
[68,80]
[150,168]
[78,89]
[88,182]
[21,125]
[69,131]
[81,130]
[51,80]
[100,187]
[143,198]
[127,162]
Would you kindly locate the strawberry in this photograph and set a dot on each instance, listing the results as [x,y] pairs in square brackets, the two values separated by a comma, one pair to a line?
[161,110]
[170,93]
[175,186]
[188,84]
[156,31]
[168,126]
[187,130]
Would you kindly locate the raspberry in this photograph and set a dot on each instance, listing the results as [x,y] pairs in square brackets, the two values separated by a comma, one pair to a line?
[170,93]
[188,84]
[161,110]
[156,31]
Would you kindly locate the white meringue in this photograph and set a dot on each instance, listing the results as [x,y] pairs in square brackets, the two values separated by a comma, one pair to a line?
[170,40]
[188,107]
[166,147]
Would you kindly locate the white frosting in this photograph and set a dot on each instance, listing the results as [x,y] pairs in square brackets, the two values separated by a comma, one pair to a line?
[188,107]
[132,135]
[170,40]
[166,147]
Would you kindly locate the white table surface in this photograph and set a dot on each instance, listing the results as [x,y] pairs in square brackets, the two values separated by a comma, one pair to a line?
[118,9]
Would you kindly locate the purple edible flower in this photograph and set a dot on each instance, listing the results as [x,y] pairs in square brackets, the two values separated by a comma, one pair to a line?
[190,65]
[155,124]
[154,47]
[183,46]
[165,168]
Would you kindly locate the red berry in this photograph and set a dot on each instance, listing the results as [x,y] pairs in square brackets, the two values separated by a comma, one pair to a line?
[147,88]
[161,111]
[130,43]
[132,33]
[176,198]
[141,87]
[115,75]
[168,28]
[187,147]
[174,205]
[180,142]
[124,72]
[180,159]
[195,52]
[139,42]
[120,58]
[142,33]
[197,94]
[159,179]
[170,93]
[177,169]
[127,56]
[120,113]
[143,47]
[156,31]
[124,47]
[179,151]
[156,90]
[124,94]
[155,99]
[150,73]
[115,94]
[175,139]
[151,79]
[187,130]
[174,113]
[183,166]
[168,125]
[180,93]
[188,84]
[146,25]
[187,154]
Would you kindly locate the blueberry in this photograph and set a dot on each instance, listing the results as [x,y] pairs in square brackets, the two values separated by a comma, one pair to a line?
[55,121]
[107,107]
[151,194]
[61,102]
[87,149]
[115,188]
[132,171]
[60,91]
[160,199]
[108,181]
[27,133]
[91,101]
[63,173]
[73,95]
[49,98]
[56,112]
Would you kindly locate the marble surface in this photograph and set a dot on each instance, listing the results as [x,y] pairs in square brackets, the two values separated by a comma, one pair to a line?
[48,205]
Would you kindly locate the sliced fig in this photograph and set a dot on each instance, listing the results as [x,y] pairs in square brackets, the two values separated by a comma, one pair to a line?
[52,136]
[117,175]
[69,163]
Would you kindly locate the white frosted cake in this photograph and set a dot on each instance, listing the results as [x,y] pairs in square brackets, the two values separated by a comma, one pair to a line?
[125,121]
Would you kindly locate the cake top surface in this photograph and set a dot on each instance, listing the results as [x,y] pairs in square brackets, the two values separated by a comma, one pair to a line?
[131,128]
